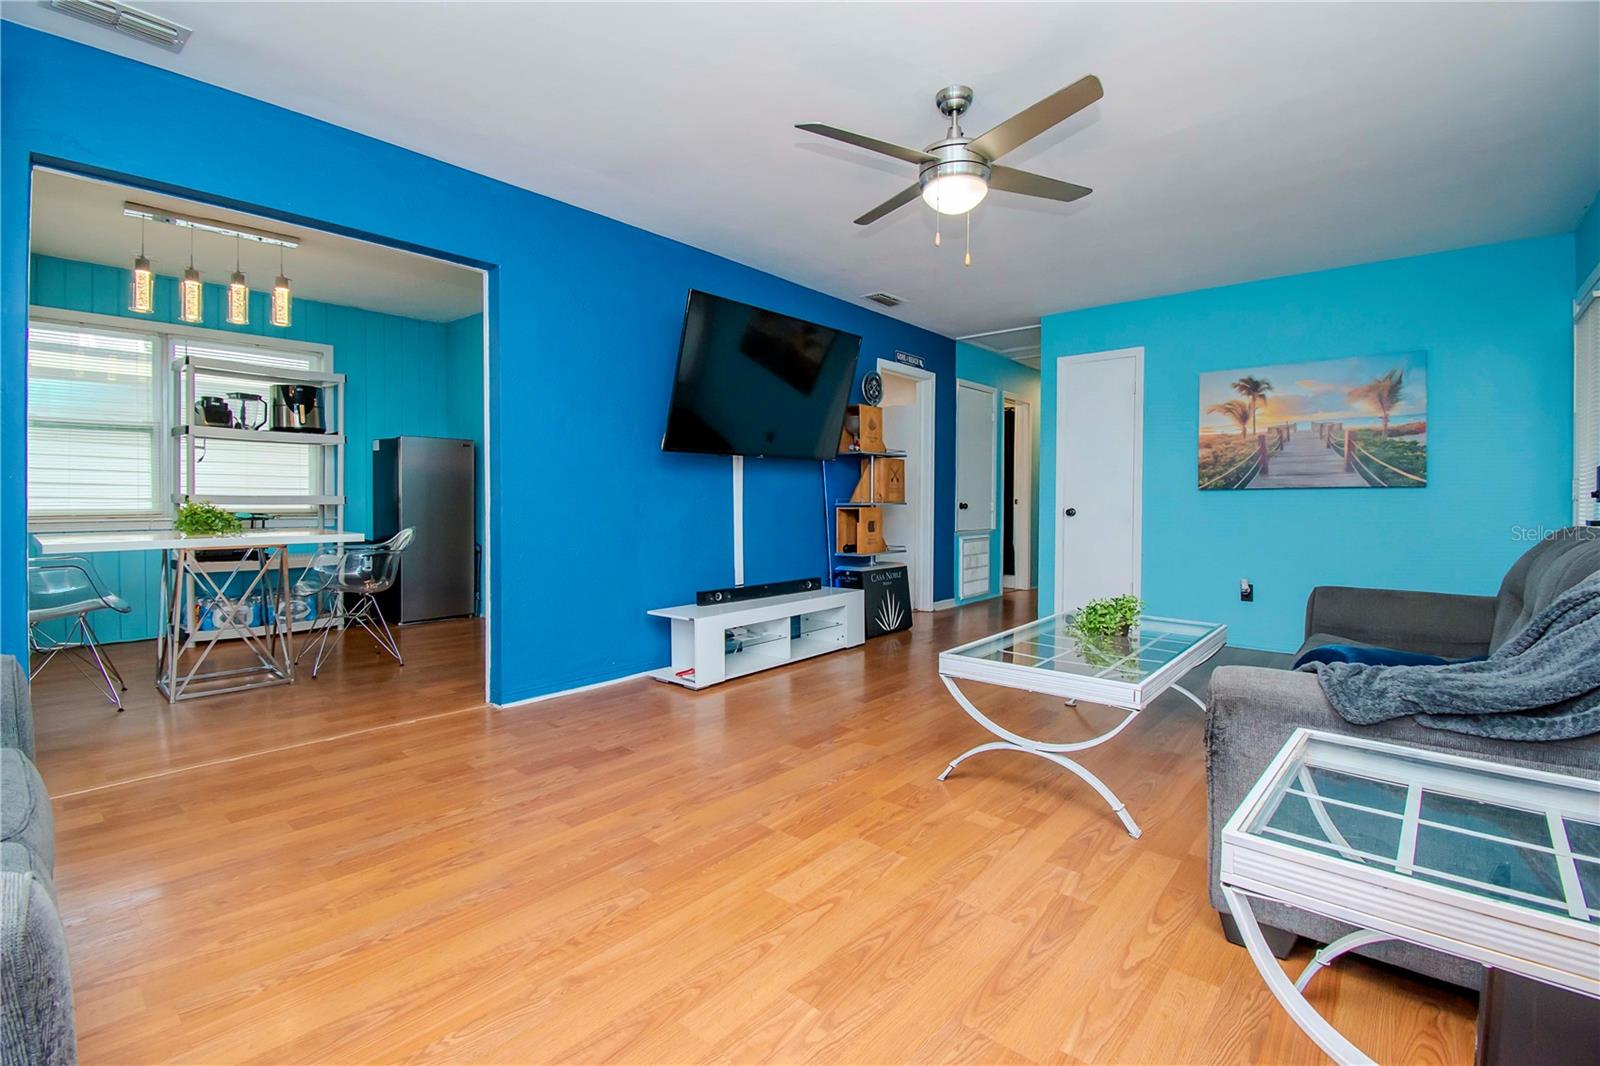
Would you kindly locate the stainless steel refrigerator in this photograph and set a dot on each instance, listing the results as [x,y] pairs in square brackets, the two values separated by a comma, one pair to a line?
[428,484]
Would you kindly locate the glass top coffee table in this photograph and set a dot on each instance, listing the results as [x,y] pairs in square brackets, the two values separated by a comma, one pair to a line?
[1051,657]
[1493,863]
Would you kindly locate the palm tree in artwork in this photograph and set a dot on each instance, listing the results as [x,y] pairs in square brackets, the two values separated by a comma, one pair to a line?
[1237,410]
[1254,390]
[1381,394]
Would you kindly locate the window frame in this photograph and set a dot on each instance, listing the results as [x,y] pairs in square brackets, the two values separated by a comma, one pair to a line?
[163,336]
[1585,422]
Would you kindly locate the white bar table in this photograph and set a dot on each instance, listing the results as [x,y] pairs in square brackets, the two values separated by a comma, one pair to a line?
[259,552]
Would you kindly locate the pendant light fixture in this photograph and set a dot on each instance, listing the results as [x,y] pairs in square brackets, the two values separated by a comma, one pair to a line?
[238,292]
[142,285]
[281,297]
[190,291]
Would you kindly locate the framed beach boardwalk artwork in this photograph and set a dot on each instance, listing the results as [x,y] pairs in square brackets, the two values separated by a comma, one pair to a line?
[1353,423]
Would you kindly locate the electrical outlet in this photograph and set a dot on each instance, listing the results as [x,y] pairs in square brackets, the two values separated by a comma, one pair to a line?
[1247,591]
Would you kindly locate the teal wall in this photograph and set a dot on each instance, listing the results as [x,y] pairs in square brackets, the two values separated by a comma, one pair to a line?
[982,367]
[403,376]
[1496,322]
[1586,244]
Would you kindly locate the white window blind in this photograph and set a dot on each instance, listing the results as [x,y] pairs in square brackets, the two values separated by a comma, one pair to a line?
[257,470]
[1586,414]
[92,422]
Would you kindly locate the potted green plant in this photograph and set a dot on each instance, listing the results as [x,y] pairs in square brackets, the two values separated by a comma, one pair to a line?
[1105,624]
[197,518]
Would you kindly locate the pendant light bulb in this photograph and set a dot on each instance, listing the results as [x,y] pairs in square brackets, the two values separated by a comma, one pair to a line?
[238,292]
[142,284]
[281,297]
[190,304]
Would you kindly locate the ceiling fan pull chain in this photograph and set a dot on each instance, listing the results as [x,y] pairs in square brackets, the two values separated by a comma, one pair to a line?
[936,217]
[968,260]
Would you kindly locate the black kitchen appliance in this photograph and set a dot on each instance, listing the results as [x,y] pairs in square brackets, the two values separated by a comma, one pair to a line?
[297,409]
[249,409]
[214,411]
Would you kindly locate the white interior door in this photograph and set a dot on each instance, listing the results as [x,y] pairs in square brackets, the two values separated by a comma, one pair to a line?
[975,457]
[1099,446]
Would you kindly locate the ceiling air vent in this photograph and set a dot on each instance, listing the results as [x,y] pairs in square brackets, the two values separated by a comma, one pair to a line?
[884,298]
[153,29]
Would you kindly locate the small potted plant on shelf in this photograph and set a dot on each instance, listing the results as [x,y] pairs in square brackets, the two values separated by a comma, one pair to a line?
[196,518]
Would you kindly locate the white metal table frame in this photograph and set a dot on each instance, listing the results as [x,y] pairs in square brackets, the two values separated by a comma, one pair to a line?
[1101,687]
[1379,895]
[263,552]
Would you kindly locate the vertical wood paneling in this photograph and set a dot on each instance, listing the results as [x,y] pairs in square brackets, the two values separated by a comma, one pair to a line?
[403,376]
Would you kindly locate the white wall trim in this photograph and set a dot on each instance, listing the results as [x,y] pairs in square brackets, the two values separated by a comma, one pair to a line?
[943,605]
[1137,355]
[927,450]
[570,691]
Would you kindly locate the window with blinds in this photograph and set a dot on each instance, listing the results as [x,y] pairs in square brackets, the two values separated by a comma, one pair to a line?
[257,470]
[93,422]
[100,419]
[1586,414]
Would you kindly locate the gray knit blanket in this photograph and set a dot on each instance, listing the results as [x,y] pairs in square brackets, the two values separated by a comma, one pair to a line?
[1542,684]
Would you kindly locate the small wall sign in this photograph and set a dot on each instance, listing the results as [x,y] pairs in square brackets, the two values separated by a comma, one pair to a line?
[910,360]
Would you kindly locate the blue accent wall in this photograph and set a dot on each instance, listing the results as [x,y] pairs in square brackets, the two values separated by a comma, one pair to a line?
[403,376]
[1586,245]
[591,524]
[1007,376]
[1496,322]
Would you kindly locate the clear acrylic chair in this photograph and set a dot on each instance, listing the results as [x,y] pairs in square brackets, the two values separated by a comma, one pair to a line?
[66,586]
[360,571]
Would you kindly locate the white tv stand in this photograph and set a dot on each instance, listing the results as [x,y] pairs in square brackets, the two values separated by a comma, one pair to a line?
[773,631]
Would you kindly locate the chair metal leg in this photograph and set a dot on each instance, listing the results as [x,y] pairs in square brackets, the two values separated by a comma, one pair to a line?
[87,641]
[104,663]
[331,636]
[387,640]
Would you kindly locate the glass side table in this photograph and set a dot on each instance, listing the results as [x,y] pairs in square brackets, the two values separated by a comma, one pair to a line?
[1492,863]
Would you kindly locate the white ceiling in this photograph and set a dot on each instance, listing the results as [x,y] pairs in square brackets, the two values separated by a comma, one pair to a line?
[1022,344]
[75,218]
[1234,141]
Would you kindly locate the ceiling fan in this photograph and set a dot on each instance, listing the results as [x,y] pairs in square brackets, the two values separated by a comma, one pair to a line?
[957,172]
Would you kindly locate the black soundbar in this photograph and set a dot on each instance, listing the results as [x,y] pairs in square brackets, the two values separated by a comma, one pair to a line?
[712,597]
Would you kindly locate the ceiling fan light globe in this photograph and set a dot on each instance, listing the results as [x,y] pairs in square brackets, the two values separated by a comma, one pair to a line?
[954,194]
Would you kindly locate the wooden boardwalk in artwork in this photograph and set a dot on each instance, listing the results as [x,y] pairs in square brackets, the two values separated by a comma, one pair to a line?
[1306,462]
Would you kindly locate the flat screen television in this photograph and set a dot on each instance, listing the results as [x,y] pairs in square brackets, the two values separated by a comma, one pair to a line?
[754,382]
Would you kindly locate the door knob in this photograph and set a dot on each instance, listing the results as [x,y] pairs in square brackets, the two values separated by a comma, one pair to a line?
[963,506]
[1070,511]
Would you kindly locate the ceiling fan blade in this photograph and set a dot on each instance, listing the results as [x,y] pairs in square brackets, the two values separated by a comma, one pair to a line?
[893,203]
[1028,123]
[1009,179]
[871,144]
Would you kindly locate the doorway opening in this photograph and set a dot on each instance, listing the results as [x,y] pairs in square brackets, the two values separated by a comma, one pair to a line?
[324,394]
[1017,516]
[908,426]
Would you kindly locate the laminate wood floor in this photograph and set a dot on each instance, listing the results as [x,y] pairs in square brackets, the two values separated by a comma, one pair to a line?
[374,867]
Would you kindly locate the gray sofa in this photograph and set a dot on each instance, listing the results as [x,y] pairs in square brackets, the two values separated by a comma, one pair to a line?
[36,1024]
[1253,710]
